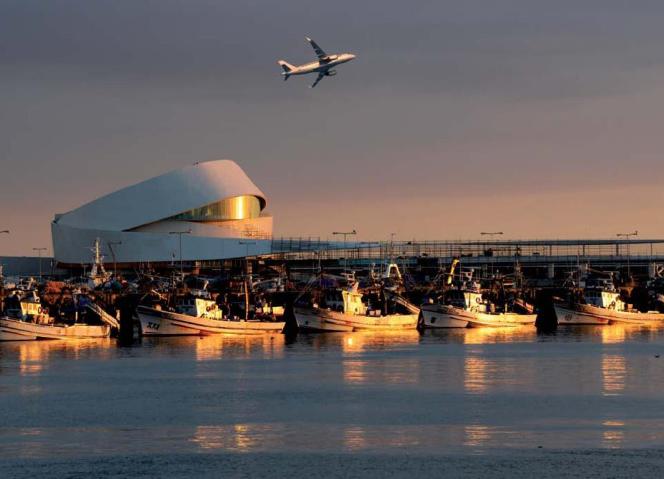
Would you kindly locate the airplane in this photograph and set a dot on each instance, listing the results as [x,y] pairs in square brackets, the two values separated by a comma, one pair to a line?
[324,66]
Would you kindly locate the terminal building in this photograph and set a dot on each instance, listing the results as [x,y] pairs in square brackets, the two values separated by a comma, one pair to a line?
[207,211]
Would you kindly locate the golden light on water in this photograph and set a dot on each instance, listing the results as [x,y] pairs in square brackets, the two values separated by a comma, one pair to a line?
[613,434]
[354,438]
[612,334]
[233,437]
[496,335]
[476,435]
[358,369]
[215,347]
[614,372]
[34,356]
[475,374]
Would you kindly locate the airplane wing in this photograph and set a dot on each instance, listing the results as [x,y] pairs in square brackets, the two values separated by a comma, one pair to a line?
[318,78]
[319,51]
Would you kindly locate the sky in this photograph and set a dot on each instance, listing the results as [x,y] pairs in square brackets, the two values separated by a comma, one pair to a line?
[542,119]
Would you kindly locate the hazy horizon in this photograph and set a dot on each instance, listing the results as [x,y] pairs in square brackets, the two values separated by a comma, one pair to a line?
[535,118]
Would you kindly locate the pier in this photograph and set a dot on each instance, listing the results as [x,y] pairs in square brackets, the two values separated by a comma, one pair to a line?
[538,259]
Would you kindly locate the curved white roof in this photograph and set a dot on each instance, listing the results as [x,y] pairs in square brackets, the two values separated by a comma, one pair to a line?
[164,196]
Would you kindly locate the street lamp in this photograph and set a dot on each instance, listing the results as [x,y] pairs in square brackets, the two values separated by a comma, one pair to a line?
[345,234]
[180,233]
[627,236]
[246,278]
[492,235]
[40,263]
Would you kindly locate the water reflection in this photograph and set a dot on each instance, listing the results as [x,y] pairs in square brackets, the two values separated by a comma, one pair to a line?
[355,438]
[613,434]
[360,369]
[499,335]
[614,370]
[615,333]
[234,437]
[34,356]
[214,347]
[362,341]
[475,374]
[476,435]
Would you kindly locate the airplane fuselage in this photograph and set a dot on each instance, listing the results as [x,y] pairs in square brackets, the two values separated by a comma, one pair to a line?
[322,66]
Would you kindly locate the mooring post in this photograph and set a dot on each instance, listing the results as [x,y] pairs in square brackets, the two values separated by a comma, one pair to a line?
[126,307]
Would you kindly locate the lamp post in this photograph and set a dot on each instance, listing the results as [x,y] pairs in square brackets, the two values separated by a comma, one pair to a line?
[180,233]
[115,264]
[40,263]
[491,235]
[627,236]
[246,278]
[345,234]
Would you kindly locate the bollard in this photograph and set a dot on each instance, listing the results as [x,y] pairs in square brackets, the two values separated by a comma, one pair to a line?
[126,308]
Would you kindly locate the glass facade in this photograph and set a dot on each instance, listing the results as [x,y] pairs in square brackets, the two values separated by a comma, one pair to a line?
[236,208]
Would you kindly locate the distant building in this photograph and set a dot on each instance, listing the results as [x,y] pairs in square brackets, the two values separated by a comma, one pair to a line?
[215,203]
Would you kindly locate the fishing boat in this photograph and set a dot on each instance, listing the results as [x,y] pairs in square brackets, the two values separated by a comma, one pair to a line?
[462,305]
[349,309]
[199,316]
[468,309]
[600,303]
[32,322]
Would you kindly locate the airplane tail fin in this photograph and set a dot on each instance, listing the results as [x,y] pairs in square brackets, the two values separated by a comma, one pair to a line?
[287,68]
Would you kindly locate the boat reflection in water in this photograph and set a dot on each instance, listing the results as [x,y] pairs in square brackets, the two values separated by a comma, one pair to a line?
[235,437]
[476,435]
[499,335]
[209,348]
[360,367]
[614,371]
[34,356]
[613,434]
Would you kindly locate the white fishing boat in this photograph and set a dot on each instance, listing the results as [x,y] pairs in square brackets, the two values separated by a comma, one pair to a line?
[601,304]
[344,310]
[465,307]
[195,316]
[33,322]
[13,328]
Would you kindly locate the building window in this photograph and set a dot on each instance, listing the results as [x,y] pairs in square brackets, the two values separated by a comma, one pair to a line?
[236,208]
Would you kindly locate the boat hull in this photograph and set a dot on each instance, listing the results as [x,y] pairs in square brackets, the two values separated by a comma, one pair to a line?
[310,321]
[155,322]
[325,320]
[9,335]
[434,317]
[589,314]
[14,328]
[476,319]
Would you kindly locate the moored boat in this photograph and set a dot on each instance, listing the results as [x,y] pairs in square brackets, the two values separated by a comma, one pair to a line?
[349,309]
[16,329]
[463,306]
[600,303]
[579,313]
[195,316]
[32,321]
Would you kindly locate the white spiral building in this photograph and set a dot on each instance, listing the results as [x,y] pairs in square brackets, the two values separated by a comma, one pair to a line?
[214,204]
